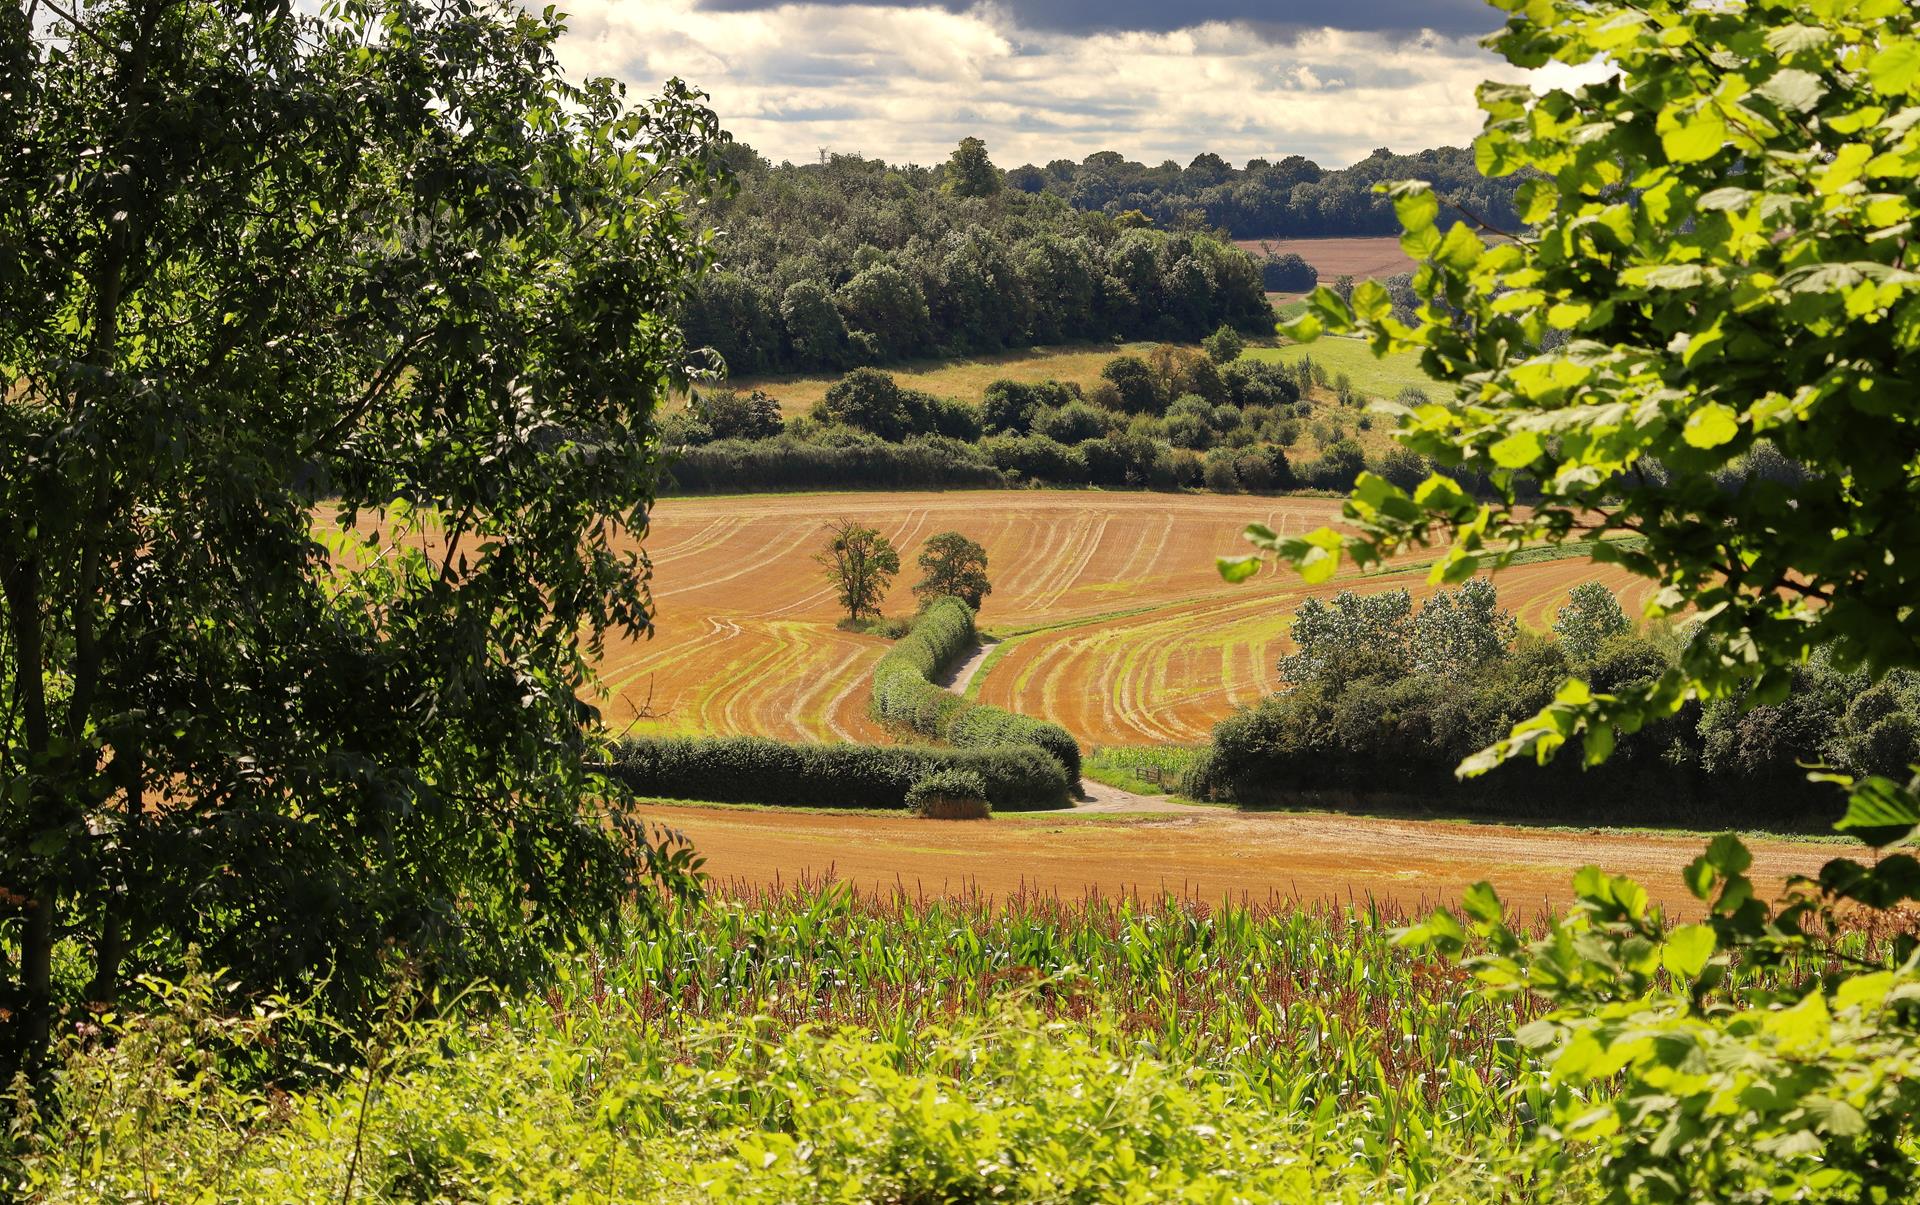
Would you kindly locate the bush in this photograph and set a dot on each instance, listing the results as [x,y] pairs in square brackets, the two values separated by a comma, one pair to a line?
[746,769]
[1220,474]
[786,464]
[904,695]
[1036,458]
[950,795]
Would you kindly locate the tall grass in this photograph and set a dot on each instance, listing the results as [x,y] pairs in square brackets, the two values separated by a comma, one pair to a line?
[890,1046]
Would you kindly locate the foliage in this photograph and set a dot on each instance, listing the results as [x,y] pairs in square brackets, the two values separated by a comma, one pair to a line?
[1143,769]
[950,795]
[745,769]
[969,172]
[793,464]
[1666,1085]
[905,696]
[1291,198]
[790,1046]
[1591,617]
[1224,345]
[860,563]
[951,564]
[850,261]
[730,414]
[1719,233]
[385,255]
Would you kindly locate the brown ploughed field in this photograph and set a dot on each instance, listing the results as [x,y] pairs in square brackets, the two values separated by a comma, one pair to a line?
[1117,623]
[1374,257]
[1203,856]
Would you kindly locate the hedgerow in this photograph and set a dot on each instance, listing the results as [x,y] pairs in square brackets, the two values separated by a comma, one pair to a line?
[746,769]
[905,696]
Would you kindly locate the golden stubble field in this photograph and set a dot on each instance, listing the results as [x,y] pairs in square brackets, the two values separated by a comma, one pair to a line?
[1116,623]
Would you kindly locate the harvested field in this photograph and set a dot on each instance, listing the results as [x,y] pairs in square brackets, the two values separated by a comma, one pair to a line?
[965,379]
[1169,674]
[1117,624]
[1361,258]
[1311,856]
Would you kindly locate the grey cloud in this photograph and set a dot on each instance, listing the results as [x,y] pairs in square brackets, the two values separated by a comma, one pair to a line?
[1276,21]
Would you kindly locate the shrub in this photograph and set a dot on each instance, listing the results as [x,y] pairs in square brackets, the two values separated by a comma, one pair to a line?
[1036,458]
[746,769]
[1220,474]
[905,696]
[950,795]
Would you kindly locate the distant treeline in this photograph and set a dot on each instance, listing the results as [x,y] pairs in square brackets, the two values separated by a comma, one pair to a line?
[1292,197]
[1171,420]
[850,261]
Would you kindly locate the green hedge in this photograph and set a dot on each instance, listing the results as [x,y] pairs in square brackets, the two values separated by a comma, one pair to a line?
[747,769]
[905,696]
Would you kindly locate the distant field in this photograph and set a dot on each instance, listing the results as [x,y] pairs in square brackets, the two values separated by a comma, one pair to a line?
[1360,258]
[1074,363]
[1117,624]
[1375,377]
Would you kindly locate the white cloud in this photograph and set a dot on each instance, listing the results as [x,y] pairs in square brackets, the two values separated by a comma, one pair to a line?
[905,84]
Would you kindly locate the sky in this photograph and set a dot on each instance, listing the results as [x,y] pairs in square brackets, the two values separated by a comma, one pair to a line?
[1053,79]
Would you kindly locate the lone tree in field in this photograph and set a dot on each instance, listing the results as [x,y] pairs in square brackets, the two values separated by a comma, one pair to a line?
[329,345]
[952,564]
[1591,617]
[860,562]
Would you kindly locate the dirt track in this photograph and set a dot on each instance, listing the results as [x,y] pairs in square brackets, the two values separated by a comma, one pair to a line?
[1207,856]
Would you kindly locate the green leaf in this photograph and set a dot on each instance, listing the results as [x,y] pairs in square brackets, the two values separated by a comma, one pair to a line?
[1482,903]
[1517,450]
[1694,137]
[1793,89]
[1880,812]
[1416,206]
[1710,426]
[1237,568]
[1896,68]
[1687,950]
[1729,855]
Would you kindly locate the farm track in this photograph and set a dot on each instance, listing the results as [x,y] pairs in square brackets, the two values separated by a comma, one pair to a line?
[1118,625]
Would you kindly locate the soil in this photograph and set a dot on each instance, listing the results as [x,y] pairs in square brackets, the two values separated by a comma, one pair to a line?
[1203,853]
[1376,257]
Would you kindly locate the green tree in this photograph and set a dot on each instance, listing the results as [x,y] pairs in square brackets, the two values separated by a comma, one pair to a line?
[331,361]
[860,562]
[1224,345]
[1717,252]
[1755,285]
[1591,617]
[951,564]
[969,172]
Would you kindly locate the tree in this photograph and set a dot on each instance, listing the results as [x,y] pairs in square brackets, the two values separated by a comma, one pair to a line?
[1591,617]
[331,361]
[730,414]
[951,564]
[1459,631]
[1348,636]
[1224,345]
[1745,292]
[969,172]
[1717,253]
[1134,384]
[860,562]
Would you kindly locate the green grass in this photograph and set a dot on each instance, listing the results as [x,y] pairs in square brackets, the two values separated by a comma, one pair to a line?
[1375,377]
[815,1045]
[966,379]
[1142,769]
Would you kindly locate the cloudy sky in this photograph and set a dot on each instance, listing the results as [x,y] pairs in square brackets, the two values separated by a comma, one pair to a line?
[1049,79]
